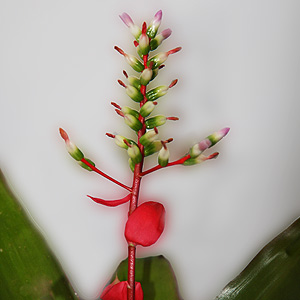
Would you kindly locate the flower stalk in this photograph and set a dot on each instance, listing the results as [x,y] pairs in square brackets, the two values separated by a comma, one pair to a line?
[145,222]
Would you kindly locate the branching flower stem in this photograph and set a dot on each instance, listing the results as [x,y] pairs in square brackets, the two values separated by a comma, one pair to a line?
[105,175]
[173,163]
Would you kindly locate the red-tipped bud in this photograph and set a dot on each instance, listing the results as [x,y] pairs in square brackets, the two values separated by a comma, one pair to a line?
[115,105]
[119,50]
[121,83]
[175,50]
[146,224]
[163,155]
[149,137]
[173,118]
[125,73]
[72,149]
[174,82]
[160,58]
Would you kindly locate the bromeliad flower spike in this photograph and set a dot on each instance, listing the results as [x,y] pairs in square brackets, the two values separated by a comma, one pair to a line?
[145,222]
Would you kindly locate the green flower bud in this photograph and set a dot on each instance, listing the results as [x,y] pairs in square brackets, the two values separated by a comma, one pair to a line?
[155,121]
[132,122]
[128,110]
[134,81]
[152,148]
[119,140]
[158,59]
[147,108]
[163,156]
[134,93]
[154,73]
[83,165]
[149,137]
[134,62]
[157,92]
[144,44]
[146,76]
[131,164]
[154,43]
[134,153]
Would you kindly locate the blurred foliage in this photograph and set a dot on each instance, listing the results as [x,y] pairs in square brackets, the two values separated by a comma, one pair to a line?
[274,273]
[28,269]
[155,275]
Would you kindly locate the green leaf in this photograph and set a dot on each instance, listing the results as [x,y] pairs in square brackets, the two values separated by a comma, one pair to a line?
[273,274]
[28,268]
[155,275]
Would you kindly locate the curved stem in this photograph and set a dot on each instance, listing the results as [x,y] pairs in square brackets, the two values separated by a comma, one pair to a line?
[173,163]
[106,176]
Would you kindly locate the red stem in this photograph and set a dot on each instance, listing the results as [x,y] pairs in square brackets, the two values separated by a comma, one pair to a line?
[135,196]
[106,176]
[173,163]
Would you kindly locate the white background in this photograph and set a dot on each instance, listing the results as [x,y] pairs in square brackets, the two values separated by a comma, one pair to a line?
[239,67]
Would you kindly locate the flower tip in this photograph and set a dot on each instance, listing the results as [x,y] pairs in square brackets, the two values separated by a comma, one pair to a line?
[63,134]
[166,33]
[225,130]
[158,15]
[126,19]
[212,156]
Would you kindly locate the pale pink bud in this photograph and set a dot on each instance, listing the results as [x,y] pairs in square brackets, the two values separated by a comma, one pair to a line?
[134,29]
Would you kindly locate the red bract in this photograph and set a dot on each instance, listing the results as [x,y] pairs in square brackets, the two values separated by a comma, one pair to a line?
[145,225]
[119,291]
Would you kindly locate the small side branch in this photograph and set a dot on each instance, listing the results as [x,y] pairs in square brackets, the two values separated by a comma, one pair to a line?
[106,176]
[173,163]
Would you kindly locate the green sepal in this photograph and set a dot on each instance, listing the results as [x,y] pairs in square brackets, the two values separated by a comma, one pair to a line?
[148,137]
[151,31]
[83,165]
[134,93]
[128,110]
[134,81]
[154,73]
[131,164]
[133,122]
[155,121]
[153,44]
[152,148]
[147,109]
[156,92]
[134,153]
[163,157]
[190,162]
[76,154]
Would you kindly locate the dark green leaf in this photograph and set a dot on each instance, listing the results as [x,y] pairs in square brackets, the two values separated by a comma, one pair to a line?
[155,275]
[28,269]
[274,273]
